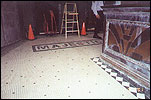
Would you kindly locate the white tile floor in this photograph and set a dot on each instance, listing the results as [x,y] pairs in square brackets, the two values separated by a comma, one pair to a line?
[63,73]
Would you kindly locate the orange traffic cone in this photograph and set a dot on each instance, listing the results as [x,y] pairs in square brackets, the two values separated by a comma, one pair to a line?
[83,32]
[30,33]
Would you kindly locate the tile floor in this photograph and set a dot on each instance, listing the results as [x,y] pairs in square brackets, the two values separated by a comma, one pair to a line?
[57,74]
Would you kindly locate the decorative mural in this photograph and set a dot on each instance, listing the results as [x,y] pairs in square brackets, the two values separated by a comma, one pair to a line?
[126,43]
[130,40]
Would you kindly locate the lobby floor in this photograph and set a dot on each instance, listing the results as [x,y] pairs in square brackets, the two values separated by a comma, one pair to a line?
[57,74]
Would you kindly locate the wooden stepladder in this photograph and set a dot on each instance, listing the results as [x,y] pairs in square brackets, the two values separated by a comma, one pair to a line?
[70,19]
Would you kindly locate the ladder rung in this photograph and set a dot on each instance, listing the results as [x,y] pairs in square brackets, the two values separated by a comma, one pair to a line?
[70,3]
[70,11]
[73,13]
[72,22]
[68,19]
[67,12]
[67,27]
[73,31]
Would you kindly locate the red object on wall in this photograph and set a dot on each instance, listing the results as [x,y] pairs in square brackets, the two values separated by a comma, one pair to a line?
[53,21]
[45,24]
[51,26]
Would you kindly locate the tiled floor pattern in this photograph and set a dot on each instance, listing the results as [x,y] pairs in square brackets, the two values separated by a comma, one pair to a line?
[137,91]
[65,45]
[54,74]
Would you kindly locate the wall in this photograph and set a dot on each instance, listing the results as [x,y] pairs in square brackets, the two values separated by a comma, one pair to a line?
[10,26]
[139,3]
[83,8]
[26,9]
[17,15]
[40,8]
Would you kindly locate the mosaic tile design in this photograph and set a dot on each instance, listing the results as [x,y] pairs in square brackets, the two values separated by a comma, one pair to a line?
[57,74]
[134,88]
[64,45]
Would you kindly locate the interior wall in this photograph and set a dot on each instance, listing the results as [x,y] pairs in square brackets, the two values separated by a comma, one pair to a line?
[10,26]
[40,8]
[27,12]
[17,15]
[140,3]
[83,8]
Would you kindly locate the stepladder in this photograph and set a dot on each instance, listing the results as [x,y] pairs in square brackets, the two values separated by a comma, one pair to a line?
[70,21]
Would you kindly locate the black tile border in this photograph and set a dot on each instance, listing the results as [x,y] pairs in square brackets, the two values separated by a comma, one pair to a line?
[146,92]
[70,43]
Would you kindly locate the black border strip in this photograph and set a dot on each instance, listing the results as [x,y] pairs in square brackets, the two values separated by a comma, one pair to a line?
[34,50]
[126,79]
